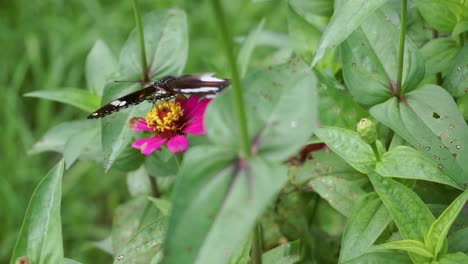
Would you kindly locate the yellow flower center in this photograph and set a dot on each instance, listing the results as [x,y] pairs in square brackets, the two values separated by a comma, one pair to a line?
[165,117]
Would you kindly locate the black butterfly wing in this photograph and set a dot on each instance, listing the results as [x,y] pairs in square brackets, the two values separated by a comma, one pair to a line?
[201,85]
[150,93]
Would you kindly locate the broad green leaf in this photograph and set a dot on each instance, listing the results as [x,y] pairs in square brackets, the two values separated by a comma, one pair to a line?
[70,261]
[56,138]
[367,221]
[453,258]
[336,105]
[158,166]
[349,146]
[458,241]
[145,244]
[129,159]
[281,103]
[116,132]
[439,54]
[130,218]
[412,217]
[443,15]
[216,202]
[317,7]
[409,212]
[100,64]
[456,81]
[247,49]
[79,98]
[40,237]
[289,253]
[348,16]
[84,141]
[406,162]
[437,234]
[413,246]
[428,118]
[138,183]
[163,206]
[370,65]
[388,257]
[305,36]
[243,254]
[166,44]
[460,27]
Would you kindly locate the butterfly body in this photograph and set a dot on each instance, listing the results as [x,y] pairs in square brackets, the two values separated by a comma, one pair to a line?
[204,85]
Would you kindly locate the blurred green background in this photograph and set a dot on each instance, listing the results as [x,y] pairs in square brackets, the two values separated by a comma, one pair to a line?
[44,45]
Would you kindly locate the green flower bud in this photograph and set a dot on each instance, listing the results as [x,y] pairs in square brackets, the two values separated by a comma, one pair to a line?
[367,130]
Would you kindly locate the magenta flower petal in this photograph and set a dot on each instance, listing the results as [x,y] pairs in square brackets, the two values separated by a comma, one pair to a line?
[194,107]
[141,125]
[195,127]
[178,144]
[148,145]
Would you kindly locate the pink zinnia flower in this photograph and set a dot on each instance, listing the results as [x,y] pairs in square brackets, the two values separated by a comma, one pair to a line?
[170,121]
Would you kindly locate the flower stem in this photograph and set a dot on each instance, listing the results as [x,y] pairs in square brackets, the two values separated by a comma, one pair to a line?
[376,151]
[178,159]
[141,40]
[257,247]
[401,50]
[236,83]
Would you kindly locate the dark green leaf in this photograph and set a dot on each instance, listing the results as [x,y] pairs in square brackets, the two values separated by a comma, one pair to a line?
[370,65]
[458,241]
[281,103]
[460,27]
[157,166]
[453,258]
[289,253]
[317,7]
[304,35]
[347,17]
[79,98]
[349,146]
[443,15]
[429,120]
[399,201]
[406,162]
[456,81]
[166,44]
[216,201]
[40,238]
[367,221]
[437,234]
[389,257]
[439,54]
[100,64]
[247,49]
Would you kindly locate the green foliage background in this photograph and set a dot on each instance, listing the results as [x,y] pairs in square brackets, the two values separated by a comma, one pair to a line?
[45,44]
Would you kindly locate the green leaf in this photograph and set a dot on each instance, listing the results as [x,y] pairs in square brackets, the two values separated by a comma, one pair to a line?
[389,257]
[458,241]
[336,105]
[83,141]
[428,118]
[460,27]
[157,166]
[281,103]
[413,246]
[138,182]
[216,202]
[100,64]
[370,65]
[409,212]
[243,255]
[439,54]
[443,15]
[437,234]
[56,138]
[456,81]
[406,162]
[145,244]
[79,98]
[70,261]
[304,35]
[163,206]
[166,44]
[317,7]
[453,258]
[349,146]
[247,48]
[40,237]
[348,16]
[128,219]
[289,253]
[367,221]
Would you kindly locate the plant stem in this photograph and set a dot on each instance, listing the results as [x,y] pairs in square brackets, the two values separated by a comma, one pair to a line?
[178,159]
[376,151]
[154,186]
[236,83]
[257,247]
[141,40]
[401,50]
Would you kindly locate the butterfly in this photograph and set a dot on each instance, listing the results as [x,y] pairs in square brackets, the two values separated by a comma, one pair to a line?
[203,85]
